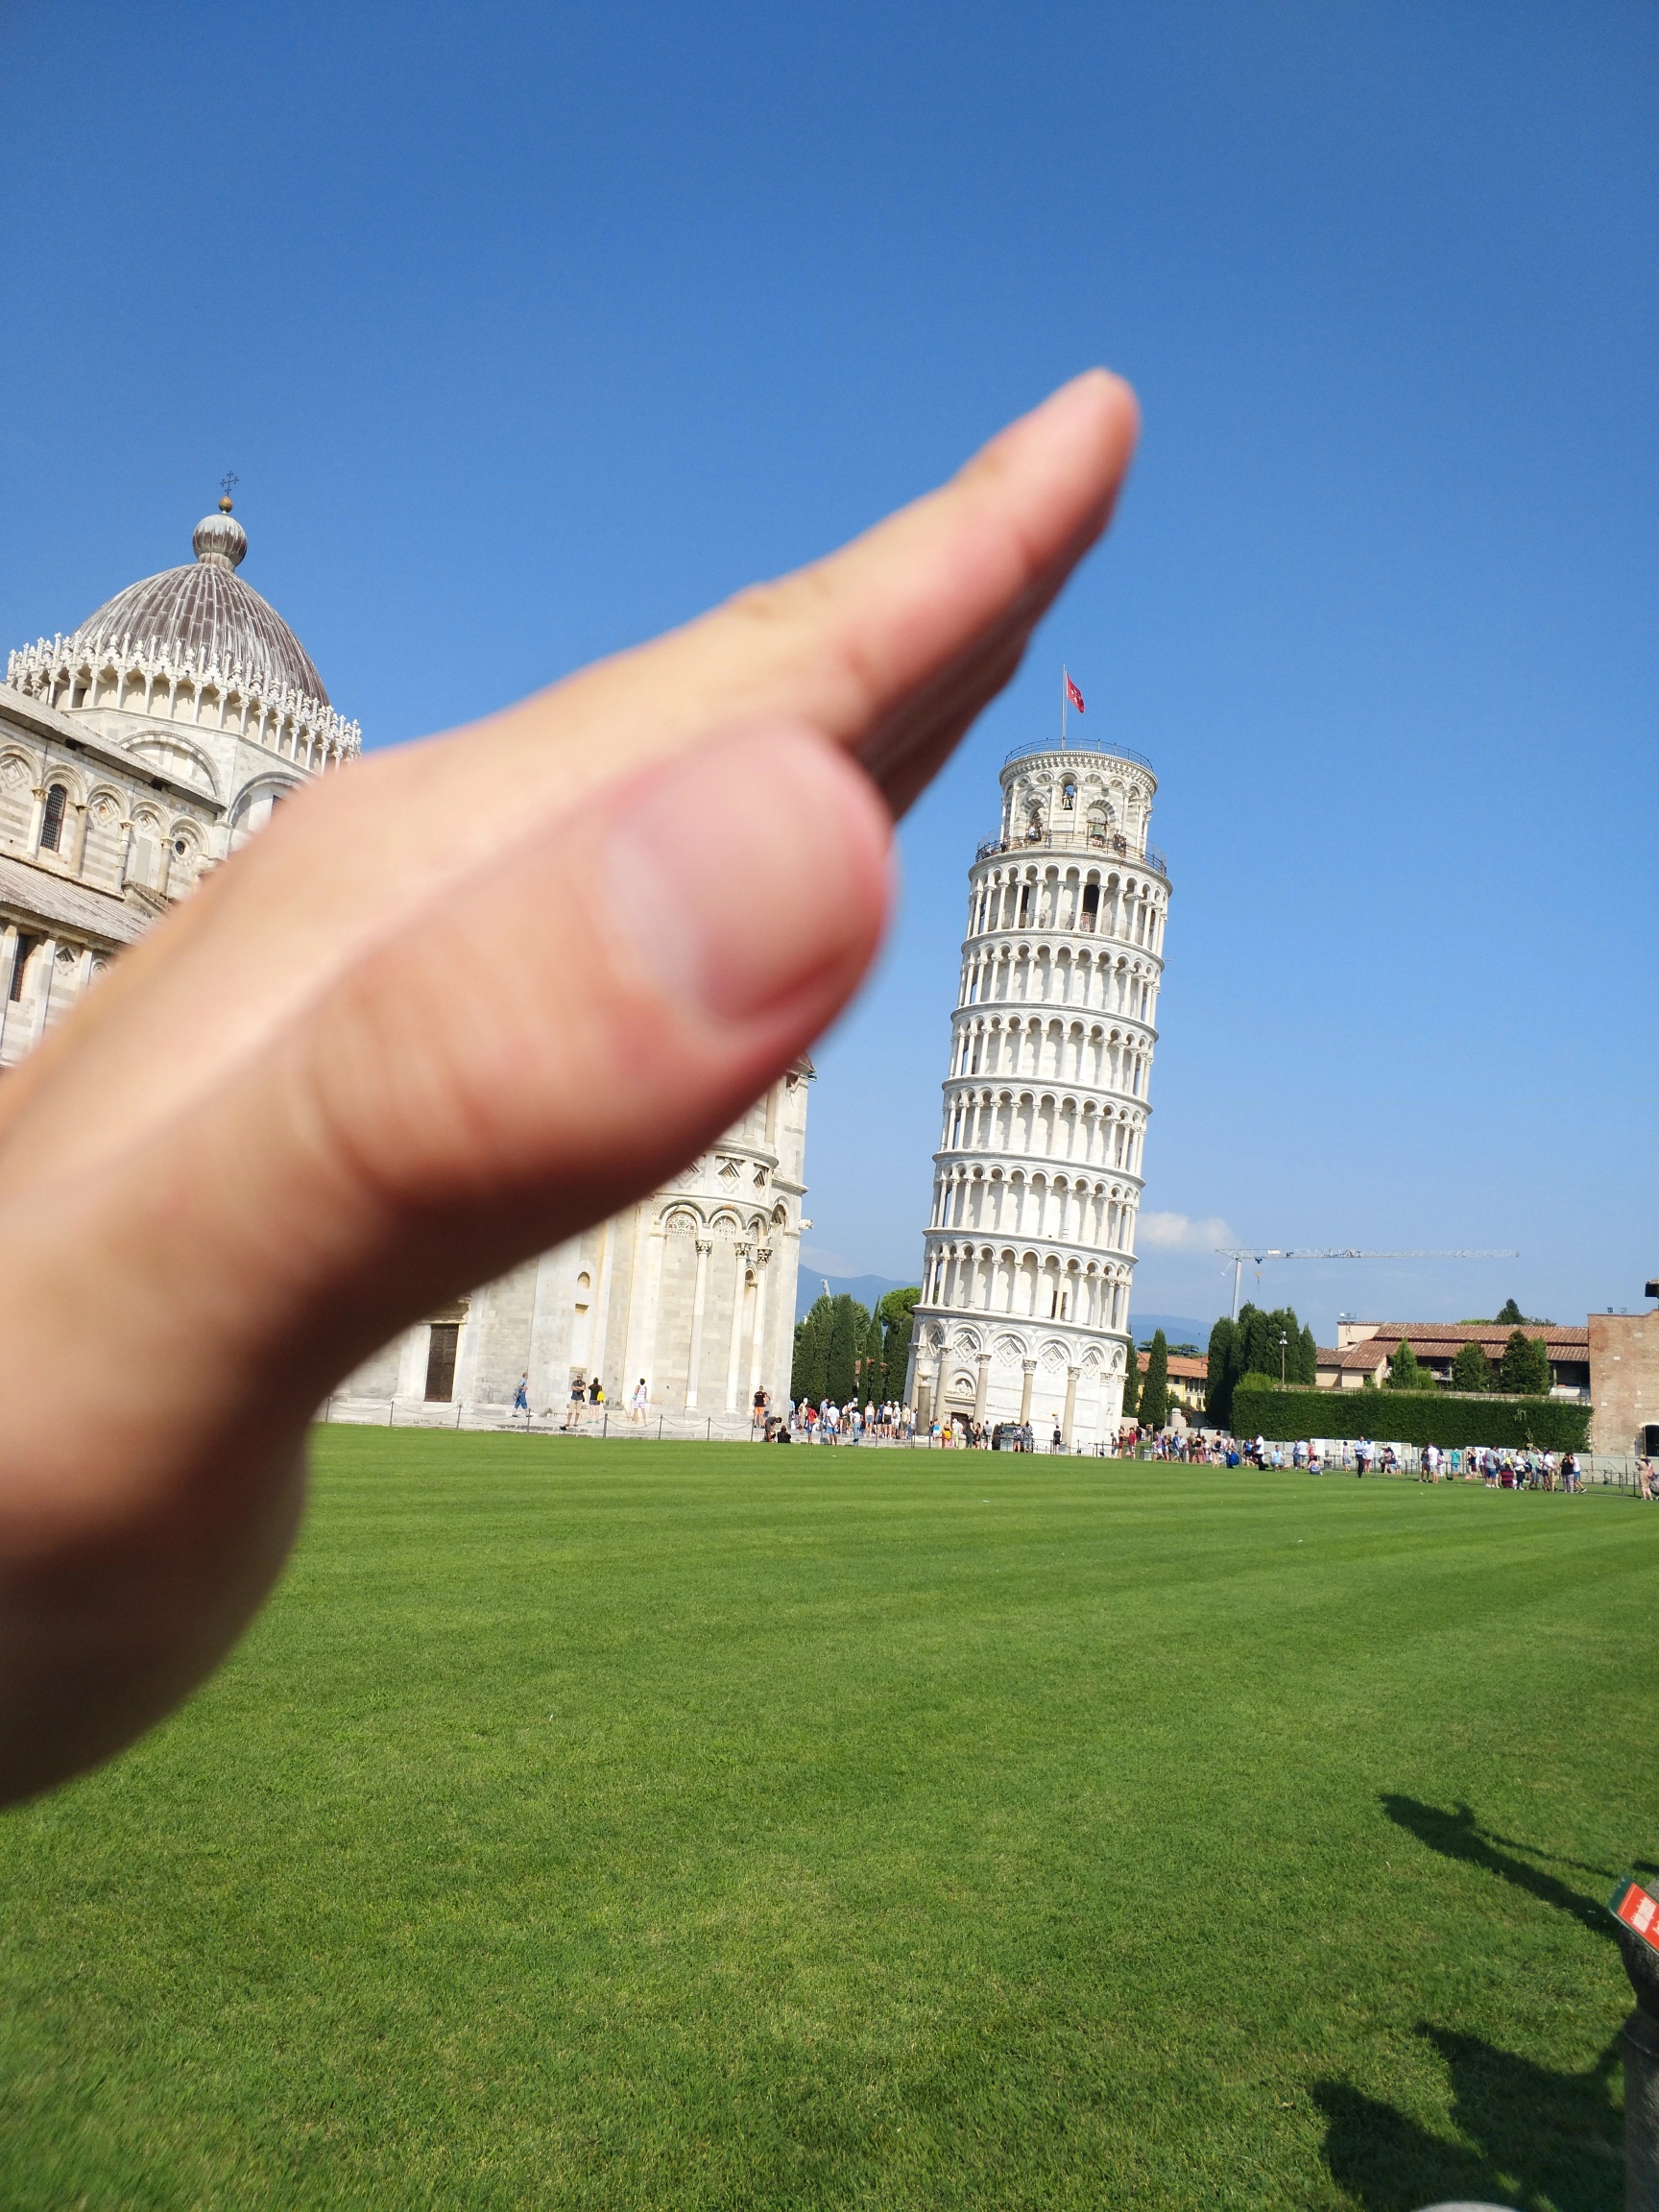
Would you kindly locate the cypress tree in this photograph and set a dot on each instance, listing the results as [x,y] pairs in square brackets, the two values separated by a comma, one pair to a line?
[849,1327]
[1523,1370]
[1509,1314]
[1218,1383]
[1255,1354]
[1307,1357]
[1471,1370]
[807,1380]
[1404,1371]
[1155,1391]
[1132,1388]
[872,1383]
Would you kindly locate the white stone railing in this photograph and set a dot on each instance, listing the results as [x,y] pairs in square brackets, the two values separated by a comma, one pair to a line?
[69,672]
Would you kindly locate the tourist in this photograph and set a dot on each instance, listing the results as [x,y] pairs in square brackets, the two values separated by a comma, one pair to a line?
[1362,1458]
[578,1397]
[1644,1479]
[521,1396]
[595,1390]
[642,1399]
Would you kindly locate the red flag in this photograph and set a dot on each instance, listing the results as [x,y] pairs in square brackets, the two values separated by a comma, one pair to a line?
[1073,694]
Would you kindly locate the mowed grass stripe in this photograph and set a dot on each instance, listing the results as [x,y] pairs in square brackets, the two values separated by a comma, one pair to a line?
[697,1826]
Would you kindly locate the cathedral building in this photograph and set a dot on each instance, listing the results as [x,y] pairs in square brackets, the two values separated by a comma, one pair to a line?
[137,753]
[1030,1245]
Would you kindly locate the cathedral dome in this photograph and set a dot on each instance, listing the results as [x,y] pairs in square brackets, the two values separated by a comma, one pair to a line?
[205,613]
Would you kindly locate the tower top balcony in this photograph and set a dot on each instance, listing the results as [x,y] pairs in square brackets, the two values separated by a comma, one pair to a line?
[1107,844]
[1096,747]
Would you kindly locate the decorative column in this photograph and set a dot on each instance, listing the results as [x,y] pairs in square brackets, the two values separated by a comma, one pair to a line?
[981,1383]
[43,995]
[8,968]
[1028,1372]
[1068,1422]
[733,1363]
[758,1343]
[699,1300]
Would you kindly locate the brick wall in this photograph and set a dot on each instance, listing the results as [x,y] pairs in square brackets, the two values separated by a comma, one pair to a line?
[1623,1379]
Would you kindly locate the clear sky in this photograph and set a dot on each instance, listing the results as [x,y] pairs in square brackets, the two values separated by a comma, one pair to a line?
[529,329]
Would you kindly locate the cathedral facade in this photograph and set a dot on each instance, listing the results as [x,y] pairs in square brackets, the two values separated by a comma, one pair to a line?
[137,752]
[1030,1244]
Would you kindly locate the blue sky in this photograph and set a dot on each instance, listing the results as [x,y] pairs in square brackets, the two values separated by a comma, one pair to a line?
[531,329]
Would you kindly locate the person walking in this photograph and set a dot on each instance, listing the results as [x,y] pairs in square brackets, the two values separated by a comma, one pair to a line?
[1644,1479]
[578,1399]
[521,1396]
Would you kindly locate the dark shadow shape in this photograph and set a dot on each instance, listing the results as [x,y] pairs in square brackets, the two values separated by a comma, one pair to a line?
[1460,1834]
[1538,2140]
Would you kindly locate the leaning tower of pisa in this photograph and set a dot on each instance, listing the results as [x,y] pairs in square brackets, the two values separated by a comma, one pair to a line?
[1025,1307]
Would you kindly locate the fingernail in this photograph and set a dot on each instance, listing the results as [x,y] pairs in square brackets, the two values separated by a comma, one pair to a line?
[743,873]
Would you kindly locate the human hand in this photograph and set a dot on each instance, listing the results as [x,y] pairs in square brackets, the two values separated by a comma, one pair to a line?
[450,1008]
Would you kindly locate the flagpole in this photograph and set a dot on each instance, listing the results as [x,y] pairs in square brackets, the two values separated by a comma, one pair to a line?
[1063,692]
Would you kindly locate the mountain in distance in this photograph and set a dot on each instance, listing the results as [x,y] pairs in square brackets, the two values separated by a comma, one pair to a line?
[866,1289]
[1177,1328]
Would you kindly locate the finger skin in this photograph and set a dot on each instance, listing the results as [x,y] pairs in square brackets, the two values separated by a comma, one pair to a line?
[405,1039]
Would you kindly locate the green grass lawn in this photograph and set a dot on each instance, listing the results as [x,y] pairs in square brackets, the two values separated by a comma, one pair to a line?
[622,1825]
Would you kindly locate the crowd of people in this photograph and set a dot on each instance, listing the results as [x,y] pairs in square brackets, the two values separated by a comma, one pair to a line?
[827,1423]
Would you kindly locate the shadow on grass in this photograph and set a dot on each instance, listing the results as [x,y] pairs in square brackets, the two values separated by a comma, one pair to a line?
[1460,1834]
[1538,2140]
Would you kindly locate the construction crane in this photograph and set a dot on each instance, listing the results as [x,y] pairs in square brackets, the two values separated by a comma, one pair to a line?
[1347,1251]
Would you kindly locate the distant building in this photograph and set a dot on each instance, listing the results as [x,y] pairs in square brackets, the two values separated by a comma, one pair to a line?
[1364,1348]
[1612,1363]
[1189,1378]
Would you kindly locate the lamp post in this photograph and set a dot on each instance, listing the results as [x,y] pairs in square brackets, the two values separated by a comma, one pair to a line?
[1284,1342]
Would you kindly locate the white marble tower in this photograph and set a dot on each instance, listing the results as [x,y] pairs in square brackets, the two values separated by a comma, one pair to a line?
[1025,1307]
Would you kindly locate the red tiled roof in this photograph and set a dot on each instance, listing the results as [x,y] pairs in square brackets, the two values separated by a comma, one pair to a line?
[1444,1337]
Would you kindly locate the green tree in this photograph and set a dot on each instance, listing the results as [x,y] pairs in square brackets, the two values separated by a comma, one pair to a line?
[1218,1383]
[1406,1371]
[872,1368]
[1471,1370]
[1524,1371]
[1155,1391]
[897,1311]
[849,1326]
[1307,1357]
[1132,1388]
[1509,1315]
[808,1378]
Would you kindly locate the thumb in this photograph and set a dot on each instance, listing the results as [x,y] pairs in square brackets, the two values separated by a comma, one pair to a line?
[532,1043]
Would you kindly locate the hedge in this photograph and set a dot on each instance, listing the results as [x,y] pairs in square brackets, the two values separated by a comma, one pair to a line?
[1411,1417]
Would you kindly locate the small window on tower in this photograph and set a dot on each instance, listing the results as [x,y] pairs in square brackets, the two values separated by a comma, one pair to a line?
[52,827]
[1068,794]
[1091,904]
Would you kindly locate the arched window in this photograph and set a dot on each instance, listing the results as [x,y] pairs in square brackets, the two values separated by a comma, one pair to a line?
[52,827]
[1068,795]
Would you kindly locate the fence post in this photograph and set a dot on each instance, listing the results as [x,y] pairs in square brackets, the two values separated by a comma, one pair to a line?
[605,1425]
[660,1419]
[708,1429]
